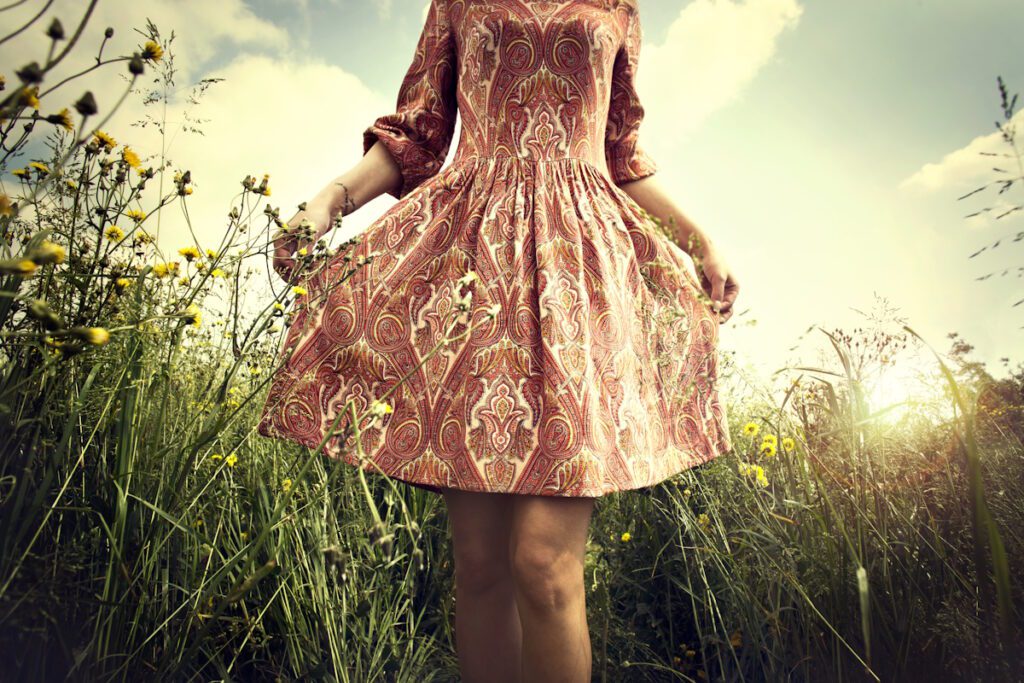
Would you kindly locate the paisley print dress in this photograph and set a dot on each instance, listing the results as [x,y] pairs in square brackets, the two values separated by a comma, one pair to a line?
[582,358]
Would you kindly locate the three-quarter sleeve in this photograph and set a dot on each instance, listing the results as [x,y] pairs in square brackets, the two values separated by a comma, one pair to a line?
[418,133]
[627,161]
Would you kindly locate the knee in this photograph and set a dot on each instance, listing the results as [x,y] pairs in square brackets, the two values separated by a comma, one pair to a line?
[479,570]
[545,578]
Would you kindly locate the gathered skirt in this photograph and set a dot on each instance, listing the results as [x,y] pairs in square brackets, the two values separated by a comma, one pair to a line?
[582,359]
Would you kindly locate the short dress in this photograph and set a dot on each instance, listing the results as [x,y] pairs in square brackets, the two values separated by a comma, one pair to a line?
[582,358]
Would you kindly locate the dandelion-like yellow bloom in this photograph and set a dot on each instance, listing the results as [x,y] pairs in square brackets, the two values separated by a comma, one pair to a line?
[105,140]
[299,291]
[302,251]
[772,438]
[72,185]
[193,315]
[278,305]
[47,252]
[160,269]
[211,254]
[216,456]
[136,215]
[217,272]
[788,444]
[751,429]
[122,282]
[189,253]
[286,485]
[62,119]
[114,233]
[18,266]
[30,98]
[21,172]
[231,460]
[704,521]
[130,157]
[39,166]
[97,336]
[625,536]
[152,51]
[767,449]
[142,237]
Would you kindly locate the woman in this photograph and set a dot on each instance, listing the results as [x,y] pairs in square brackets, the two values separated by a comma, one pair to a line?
[535,339]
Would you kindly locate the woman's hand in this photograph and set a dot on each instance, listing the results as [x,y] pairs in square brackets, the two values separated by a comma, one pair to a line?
[318,217]
[717,282]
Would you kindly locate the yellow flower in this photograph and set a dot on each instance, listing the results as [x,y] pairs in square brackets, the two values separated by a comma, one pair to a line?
[152,51]
[625,537]
[231,460]
[189,253]
[286,485]
[216,456]
[122,282]
[302,251]
[130,157]
[244,535]
[788,444]
[751,428]
[142,237]
[18,266]
[21,172]
[39,166]
[160,269]
[47,252]
[299,291]
[704,521]
[211,254]
[30,97]
[105,140]
[767,449]
[63,118]
[114,233]
[217,272]
[136,215]
[278,305]
[687,492]
[97,336]
[193,315]
[772,438]
[380,408]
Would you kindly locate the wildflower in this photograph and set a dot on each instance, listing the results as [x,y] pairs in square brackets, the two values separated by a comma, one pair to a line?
[244,535]
[772,438]
[114,233]
[788,444]
[687,492]
[29,97]
[47,252]
[468,278]
[211,254]
[63,119]
[184,281]
[380,408]
[625,537]
[122,283]
[130,157]
[751,429]
[231,460]
[286,485]
[192,315]
[299,291]
[189,253]
[136,215]
[704,521]
[160,270]
[278,306]
[767,449]
[72,185]
[105,140]
[152,51]
[21,172]
[302,251]
[142,237]
[216,456]
[39,166]
[97,336]
[6,208]
[17,266]
[217,272]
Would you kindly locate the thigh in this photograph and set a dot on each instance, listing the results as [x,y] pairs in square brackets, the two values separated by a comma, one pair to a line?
[480,524]
[551,526]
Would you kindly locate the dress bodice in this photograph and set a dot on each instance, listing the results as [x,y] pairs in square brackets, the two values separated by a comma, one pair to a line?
[534,80]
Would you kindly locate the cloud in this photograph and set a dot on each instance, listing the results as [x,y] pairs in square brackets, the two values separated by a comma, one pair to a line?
[967,167]
[710,53]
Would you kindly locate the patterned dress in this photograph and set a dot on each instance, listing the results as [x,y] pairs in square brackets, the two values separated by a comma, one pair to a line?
[583,358]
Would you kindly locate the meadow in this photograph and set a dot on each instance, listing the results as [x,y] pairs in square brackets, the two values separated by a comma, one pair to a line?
[148,531]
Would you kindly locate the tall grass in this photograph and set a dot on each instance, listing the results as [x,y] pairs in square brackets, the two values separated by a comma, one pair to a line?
[147,531]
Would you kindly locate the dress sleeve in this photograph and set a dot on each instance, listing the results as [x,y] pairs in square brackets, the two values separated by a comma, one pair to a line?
[417,134]
[627,161]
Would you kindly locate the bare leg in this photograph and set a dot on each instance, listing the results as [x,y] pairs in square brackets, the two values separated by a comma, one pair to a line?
[487,632]
[548,546]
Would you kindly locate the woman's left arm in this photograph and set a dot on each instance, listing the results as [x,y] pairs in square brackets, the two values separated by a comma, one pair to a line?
[715,275]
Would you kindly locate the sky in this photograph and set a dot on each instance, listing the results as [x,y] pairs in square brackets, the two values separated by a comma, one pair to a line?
[823,145]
